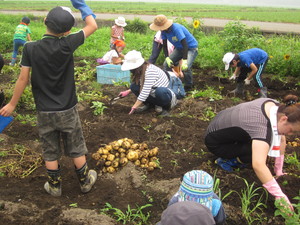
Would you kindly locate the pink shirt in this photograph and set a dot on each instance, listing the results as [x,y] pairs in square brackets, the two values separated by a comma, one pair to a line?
[116,31]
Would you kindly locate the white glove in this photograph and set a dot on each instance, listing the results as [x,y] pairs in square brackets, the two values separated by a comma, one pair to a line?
[247,82]
[233,77]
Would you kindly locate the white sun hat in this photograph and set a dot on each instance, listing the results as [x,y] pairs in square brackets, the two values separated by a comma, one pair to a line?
[120,21]
[228,57]
[132,60]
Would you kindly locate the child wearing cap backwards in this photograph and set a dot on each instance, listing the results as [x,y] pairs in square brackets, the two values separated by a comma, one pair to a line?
[197,186]
[22,34]
[115,56]
[51,65]
[252,61]
[117,30]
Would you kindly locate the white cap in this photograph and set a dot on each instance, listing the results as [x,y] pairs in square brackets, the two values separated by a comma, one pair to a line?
[132,60]
[228,57]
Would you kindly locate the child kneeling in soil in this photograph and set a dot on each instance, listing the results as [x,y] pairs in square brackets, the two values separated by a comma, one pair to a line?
[196,186]
[50,62]
[114,56]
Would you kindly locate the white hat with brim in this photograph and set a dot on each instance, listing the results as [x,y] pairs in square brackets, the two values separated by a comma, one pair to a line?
[120,21]
[132,60]
[228,57]
[161,23]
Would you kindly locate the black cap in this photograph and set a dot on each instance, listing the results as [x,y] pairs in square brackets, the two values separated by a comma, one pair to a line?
[26,20]
[60,19]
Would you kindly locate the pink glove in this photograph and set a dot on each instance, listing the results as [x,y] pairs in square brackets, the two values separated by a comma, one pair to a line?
[132,110]
[124,93]
[274,189]
[278,166]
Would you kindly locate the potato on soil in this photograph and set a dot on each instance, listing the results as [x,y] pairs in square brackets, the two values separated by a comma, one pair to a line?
[110,169]
[132,155]
[96,156]
[150,168]
[123,161]
[152,164]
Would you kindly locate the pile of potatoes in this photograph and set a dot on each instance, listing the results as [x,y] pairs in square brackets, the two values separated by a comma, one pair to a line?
[118,153]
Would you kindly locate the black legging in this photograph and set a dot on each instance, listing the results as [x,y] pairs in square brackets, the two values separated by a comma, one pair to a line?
[230,143]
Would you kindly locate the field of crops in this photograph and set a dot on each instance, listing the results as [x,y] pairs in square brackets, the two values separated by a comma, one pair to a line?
[171,9]
[236,37]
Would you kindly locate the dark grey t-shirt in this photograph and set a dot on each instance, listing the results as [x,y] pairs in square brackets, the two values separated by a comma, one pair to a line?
[52,75]
[249,116]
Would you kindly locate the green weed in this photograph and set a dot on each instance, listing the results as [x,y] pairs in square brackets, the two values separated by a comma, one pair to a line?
[98,108]
[209,93]
[130,216]
[292,161]
[208,114]
[290,217]
[253,202]
[217,189]
[27,119]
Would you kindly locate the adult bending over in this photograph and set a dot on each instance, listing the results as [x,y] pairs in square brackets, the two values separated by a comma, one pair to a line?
[251,131]
[186,46]
[150,85]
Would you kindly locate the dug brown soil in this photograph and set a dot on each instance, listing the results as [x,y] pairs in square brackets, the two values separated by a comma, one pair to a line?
[181,149]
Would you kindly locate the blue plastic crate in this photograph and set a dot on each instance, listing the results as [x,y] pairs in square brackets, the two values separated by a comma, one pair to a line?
[109,73]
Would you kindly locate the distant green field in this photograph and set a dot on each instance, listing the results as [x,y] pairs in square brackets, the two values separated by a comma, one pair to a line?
[171,9]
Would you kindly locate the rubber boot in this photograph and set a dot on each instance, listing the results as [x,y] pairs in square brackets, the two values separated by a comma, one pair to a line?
[53,185]
[239,91]
[87,178]
[13,62]
[263,92]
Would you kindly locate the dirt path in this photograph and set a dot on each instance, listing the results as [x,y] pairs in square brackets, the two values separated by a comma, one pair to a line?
[266,27]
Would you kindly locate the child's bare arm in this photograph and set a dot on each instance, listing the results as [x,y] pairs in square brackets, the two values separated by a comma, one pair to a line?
[87,15]
[91,26]
[28,37]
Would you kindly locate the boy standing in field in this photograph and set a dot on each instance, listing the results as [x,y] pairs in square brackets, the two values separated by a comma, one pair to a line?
[50,62]
[22,34]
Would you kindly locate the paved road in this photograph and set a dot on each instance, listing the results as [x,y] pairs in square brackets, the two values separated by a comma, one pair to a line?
[267,27]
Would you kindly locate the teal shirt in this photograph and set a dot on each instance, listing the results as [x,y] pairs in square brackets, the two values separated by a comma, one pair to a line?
[21,32]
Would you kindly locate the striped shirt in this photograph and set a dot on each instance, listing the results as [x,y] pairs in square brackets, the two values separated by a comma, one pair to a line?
[249,116]
[154,77]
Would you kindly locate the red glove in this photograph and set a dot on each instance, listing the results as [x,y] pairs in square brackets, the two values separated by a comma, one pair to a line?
[124,93]
[274,189]
[278,166]
[132,110]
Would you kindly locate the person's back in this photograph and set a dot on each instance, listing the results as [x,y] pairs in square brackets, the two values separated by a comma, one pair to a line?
[51,60]
[21,35]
